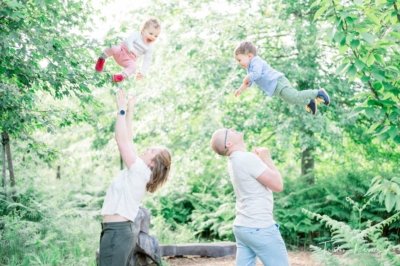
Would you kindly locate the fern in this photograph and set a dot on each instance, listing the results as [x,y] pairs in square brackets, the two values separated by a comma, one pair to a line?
[361,247]
[325,256]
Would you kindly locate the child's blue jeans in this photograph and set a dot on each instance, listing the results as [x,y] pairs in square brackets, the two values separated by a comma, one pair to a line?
[265,243]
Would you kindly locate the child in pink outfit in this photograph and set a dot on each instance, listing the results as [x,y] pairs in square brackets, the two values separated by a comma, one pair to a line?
[136,45]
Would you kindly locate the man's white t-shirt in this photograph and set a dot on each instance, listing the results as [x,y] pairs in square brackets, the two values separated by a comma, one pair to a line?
[126,192]
[254,201]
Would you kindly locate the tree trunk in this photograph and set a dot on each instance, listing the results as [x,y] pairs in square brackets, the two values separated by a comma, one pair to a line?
[58,172]
[6,141]
[307,165]
[121,162]
[4,170]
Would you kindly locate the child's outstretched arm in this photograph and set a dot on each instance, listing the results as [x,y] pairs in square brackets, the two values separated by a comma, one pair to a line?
[243,87]
[146,64]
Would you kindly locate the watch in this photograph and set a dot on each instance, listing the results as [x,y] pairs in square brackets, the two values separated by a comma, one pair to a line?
[122,112]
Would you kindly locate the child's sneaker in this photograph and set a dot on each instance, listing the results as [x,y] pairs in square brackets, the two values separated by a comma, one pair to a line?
[100,64]
[312,107]
[118,78]
[323,96]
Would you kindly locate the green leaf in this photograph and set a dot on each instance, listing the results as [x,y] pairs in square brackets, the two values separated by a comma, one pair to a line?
[372,17]
[370,112]
[365,79]
[339,36]
[354,44]
[315,4]
[378,74]
[359,64]
[352,71]
[389,202]
[368,37]
[393,132]
[320,11]
[395,34]
[377,85]
[342,68]
[370,59]
[378,58]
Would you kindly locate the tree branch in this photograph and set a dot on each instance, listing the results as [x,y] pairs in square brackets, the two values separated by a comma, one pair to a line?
[397,11]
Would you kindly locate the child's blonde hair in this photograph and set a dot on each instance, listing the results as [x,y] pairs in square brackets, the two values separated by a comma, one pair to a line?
[245,48]
[151,22]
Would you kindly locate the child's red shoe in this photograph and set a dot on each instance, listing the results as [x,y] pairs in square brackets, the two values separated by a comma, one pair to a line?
[100,64]
[118,78]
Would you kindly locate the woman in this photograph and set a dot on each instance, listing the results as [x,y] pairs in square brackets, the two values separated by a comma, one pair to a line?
[146,172]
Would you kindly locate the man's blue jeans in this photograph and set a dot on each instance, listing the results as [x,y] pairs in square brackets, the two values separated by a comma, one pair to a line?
[265,243]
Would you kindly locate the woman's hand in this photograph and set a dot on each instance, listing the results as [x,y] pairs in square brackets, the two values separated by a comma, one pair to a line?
[139,76]
[121,100]
[131,103]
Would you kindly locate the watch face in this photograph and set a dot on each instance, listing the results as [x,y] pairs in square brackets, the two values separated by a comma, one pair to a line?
[122,112]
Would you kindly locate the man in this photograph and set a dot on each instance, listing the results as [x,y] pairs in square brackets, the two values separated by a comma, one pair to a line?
[254,178]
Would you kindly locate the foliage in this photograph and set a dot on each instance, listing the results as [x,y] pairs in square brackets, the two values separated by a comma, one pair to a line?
[32,234]
[24,204]
[361,246]
[367,36]
[186,96]
[328,196]
[388,192]
[43,53]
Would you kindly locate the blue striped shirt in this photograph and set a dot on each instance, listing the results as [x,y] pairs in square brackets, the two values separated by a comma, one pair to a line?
[263,75]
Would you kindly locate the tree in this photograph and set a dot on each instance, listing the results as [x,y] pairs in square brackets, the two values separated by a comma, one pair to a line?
[43,51]
[366,33]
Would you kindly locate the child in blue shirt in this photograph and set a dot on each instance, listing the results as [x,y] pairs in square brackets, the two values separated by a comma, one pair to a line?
[272,82]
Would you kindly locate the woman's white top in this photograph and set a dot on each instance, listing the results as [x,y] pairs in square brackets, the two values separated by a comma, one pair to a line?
[127,190]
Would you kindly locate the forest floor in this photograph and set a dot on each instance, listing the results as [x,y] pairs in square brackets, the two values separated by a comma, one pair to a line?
[296,258]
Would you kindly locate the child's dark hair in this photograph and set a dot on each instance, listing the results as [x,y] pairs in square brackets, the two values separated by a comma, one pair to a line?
[245,48]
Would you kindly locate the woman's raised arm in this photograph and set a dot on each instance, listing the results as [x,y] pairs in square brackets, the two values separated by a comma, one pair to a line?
[123,136]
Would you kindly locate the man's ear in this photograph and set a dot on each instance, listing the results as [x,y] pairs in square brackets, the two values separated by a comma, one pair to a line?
[250,55]
[229,144]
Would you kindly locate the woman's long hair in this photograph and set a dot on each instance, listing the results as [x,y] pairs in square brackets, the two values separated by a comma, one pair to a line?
[160,171]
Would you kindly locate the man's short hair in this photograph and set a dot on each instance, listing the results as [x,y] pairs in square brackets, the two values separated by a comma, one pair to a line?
[217,144]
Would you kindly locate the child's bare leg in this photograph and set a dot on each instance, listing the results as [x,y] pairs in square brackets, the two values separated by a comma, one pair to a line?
[128,71]
[113,50]
[102,58]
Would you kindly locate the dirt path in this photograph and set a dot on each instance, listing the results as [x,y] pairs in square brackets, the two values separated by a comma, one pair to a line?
[296,258]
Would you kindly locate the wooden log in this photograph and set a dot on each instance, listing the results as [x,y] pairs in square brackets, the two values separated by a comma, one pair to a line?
[214,250]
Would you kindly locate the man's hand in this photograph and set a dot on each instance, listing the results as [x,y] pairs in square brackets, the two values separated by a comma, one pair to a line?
[263,153]
[139,76]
